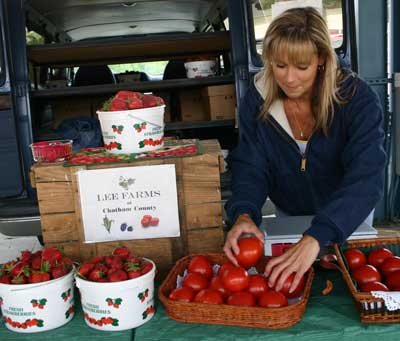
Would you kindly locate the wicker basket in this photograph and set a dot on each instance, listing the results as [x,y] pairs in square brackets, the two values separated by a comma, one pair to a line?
[372,310]
[255,317]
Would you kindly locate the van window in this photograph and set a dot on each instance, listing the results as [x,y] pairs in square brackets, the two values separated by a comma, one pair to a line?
[263,11]
[154,70]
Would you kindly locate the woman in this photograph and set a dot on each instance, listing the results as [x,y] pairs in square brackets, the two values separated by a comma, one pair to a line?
[311,139]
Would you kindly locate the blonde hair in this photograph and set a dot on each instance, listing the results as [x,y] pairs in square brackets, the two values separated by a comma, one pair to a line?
[302,33]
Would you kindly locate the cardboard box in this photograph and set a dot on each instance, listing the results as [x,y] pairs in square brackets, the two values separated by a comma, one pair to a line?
[70,107]
[219,102]
[191,106]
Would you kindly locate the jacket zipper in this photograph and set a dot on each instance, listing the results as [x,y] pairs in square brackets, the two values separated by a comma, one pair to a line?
[289,139]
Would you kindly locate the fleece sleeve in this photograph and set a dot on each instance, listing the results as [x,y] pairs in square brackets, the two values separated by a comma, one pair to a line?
[364,161]
[249,167]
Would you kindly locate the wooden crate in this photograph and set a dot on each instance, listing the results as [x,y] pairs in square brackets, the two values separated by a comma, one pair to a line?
[199,202]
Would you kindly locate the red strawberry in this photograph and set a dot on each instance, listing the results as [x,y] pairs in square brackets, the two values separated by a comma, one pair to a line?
[67,262]
[118,105]
[117,276]
[95,275]
[97,259]
[114,262]
[101,267]
[36,262]
[39,277]
[135,103]
[85,268]
[122,252]
[128,94]
[146,267]
[146,220]
[133,269]
[59,271]
[154,221]
[21,279]
[51,254]
[5,279]
[18,268]
[152,101]
[26,256]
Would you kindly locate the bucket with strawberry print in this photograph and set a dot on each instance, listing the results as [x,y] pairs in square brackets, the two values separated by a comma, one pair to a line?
[110,303]
[132,122]
[36,307]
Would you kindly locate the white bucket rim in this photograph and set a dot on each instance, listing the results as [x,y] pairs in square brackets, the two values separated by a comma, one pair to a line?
[21,287]
[115,284]
[132,111]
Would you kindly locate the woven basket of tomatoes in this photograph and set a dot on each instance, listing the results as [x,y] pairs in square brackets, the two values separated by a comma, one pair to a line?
[209,289]
[371,265]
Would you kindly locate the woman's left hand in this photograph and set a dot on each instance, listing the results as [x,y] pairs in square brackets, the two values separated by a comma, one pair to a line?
[297,259]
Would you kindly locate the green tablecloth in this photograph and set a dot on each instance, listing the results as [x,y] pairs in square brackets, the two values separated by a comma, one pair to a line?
[75,330]
[332,317]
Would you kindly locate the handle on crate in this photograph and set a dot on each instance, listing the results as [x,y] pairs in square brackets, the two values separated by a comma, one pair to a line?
[329,261]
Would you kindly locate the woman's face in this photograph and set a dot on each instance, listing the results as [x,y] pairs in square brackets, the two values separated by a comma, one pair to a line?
[296,80]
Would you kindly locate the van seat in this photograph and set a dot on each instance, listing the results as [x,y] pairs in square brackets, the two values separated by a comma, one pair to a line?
[93,75]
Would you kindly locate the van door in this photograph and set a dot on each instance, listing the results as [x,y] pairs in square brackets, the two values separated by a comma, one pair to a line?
[11,176]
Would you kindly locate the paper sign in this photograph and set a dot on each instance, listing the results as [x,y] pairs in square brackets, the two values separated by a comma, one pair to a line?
[129,203]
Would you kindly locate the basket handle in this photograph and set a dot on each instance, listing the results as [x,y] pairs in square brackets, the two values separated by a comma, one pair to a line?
[141,119]
[329,261]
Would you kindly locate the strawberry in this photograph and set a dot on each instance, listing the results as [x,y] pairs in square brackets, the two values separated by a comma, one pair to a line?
[117,276]
[51,254]
[19,268]
[97,259]
[122,252]
[59,271]
[95,275]
[20,279]
[135,103]
[146,267]
[152,101]
[5,279]
[118,105]
[67,262]
[101,267]
[114,262]
[26,256]
[85,268]
[36,262]
[132,269]
[124,95]
[37,277]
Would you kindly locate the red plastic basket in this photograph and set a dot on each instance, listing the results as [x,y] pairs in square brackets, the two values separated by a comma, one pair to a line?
[51,151]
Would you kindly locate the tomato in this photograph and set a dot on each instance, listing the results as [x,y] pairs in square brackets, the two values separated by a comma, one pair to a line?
[216,284]
[209,296]
[242,299]
[195,281]
[373,286]
[272,299]
[235,279]
[355,258]
[257,285]
[183,294]
[296,292]
[224,267]
[393,281]
[201,265]
[365,274]
[376,257]
[250,251]
[390,264]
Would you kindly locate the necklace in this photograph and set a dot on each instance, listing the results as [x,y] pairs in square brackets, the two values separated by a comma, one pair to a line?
[295,112]
[298,124]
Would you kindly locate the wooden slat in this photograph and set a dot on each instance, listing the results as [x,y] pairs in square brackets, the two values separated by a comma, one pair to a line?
[77,202]
[59,227]
[205,240]
[55,197]
[71,249]
[203,215]
[51,172]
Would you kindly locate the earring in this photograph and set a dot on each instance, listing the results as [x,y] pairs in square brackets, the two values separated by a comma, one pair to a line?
[321,67]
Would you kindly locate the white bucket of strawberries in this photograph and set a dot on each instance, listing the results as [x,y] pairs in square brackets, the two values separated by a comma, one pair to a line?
[37,291]
[117,291]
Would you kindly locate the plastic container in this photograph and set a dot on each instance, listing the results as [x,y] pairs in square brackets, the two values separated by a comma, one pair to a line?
[133,131]
[200,69]
[51,151]
[112,306]
[37,307]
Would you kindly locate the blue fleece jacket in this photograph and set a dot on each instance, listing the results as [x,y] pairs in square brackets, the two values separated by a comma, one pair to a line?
[339,178]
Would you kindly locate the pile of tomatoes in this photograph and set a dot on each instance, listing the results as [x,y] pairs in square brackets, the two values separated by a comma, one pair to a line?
[231,284]
[379,270]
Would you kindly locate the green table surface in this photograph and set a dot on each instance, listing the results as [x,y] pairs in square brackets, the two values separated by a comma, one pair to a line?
[332,317]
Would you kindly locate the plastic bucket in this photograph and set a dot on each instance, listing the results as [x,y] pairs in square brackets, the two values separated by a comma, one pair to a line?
[199,69]
[37,307]
[118,305]
[133,131]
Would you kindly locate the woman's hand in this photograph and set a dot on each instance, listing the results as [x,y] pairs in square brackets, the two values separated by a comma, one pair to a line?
[243,224]
[297,259]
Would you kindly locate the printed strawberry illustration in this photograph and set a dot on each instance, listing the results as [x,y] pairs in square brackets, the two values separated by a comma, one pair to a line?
[143,295]
[154,221]
[147,312]
[69,312]
[109,301]
[117,302]
[145,221]
[65,295]
[113,145]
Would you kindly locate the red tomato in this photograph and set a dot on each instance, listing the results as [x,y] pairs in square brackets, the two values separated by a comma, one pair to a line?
[296,292]
[390,264]
[393,281]
[224,267]
[216,284]
[373,286]
[209,296]
[365,274]
[376,257]
[201,265]
[272,299]
[195,281]
[257,285]
[251,250]
[183,294]
[242,299]
[235,279]
[355,258]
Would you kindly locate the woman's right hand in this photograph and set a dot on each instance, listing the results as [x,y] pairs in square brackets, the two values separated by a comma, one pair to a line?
[243,224]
